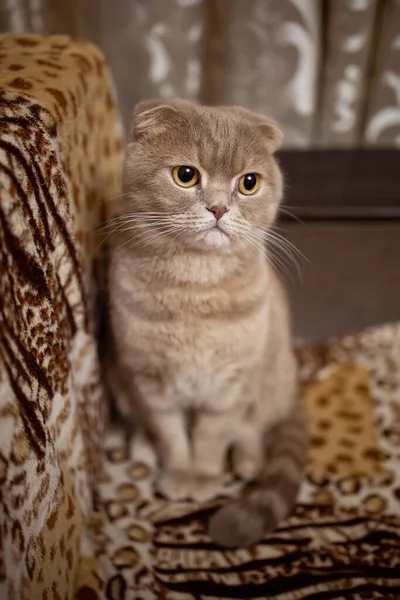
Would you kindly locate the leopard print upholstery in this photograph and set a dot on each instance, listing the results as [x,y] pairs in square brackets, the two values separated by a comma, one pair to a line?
[60,160]
[343,539]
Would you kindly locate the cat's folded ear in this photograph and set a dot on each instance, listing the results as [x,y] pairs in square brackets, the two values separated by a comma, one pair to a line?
[272,135]
[151,117]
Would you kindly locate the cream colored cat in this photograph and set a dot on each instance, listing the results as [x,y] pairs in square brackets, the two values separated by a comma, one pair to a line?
[199,318]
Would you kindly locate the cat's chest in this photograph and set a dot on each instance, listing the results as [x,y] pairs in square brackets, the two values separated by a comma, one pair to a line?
[199,341]
[199,363]
[196,341]
[198,359]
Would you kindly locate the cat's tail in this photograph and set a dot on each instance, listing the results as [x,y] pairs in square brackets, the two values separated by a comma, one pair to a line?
[272,497]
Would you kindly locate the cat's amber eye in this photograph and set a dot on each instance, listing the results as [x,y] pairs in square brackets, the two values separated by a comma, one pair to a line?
[185,176]
[249,184]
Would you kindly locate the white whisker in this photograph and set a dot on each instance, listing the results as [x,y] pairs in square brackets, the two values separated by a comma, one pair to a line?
[290,214]
[160,230]
[285,252]
[113,198]
[123,229]
[290,244]
[276,242]
[157,235]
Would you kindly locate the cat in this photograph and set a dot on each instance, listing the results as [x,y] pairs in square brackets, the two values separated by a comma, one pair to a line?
[200,320]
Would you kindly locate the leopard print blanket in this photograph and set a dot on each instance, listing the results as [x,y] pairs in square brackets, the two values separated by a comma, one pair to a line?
[78,515]
[342,540]
[60,159]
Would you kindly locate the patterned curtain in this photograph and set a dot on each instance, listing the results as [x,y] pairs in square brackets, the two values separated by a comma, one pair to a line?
[327,70]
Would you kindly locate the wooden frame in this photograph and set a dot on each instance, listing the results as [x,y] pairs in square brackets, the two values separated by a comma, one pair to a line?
[342,184]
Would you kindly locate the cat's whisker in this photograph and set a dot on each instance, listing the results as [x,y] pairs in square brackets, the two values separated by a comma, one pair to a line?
[118,223]
[247,235]
[157,235]
[244,245]
[182,230]
[277,228]
[139,214]
[290,214]
[286,258]
[127,226]
[283,243]
[141,221]
[280,266]
[160,237]
[134,242]
[255,243]
[132,216]
[160,230]
[280,262]
[113,198]
[289,250]
[107,234]
[290,244]
[121,229]
[151,214]
[128,219]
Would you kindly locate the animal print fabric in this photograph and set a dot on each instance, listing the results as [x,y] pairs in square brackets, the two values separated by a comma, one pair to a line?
[60,159]
[343,539]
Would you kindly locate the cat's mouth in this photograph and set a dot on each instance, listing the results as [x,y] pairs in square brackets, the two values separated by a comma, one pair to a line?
[216,228]
[219,225]
[216,236]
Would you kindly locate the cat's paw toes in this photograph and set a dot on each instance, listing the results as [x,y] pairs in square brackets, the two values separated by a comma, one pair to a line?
[205,488]
[142,451]
[246,467]
[175,485]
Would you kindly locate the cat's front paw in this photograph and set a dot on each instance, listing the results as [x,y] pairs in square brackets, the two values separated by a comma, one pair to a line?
[245,465]
[175,485]
[246,468]
[205,487]
[142,451]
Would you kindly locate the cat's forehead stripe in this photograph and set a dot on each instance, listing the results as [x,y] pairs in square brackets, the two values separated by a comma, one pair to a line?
[224,146]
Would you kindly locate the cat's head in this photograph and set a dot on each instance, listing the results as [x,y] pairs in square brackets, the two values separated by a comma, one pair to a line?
[202,176]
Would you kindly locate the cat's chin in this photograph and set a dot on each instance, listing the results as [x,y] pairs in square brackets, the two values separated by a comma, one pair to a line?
[214,239]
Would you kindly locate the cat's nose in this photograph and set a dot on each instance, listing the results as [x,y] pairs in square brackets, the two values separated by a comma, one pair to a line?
[218,211]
